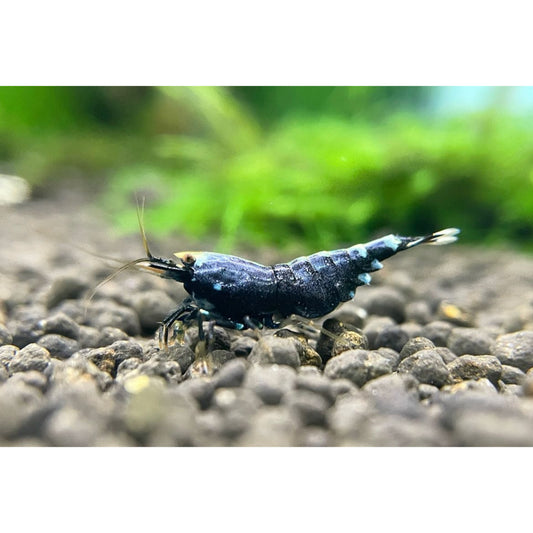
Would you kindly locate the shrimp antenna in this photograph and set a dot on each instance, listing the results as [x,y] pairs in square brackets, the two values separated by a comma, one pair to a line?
[140,218]
[116,272]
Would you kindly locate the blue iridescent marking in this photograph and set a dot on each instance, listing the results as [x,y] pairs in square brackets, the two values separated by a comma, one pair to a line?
[360,249]
[391,241]
[364,278]
[351,294]
[376,265]
[217,286]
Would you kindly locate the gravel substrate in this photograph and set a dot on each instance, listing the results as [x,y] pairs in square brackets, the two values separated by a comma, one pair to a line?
[437,352]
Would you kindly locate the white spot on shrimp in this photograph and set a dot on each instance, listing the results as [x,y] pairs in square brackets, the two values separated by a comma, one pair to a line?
[364,278]
[376,265]
[391,241]
[360,249]
[217,286]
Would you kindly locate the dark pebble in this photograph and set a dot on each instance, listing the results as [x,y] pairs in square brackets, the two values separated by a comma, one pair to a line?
[447,355]
[237,407]
[7,353]
[475,367]
[315,437]
[61,324]
[128,365]
[470,341]
[374,326]
[152,307]
[418,311]
[351,314]
[426,366]
[316,383]
[489,428]
[102,358]
[105,313]
[515,349]
[310,408]
[109,335]
[242,346]
[384,301]
[26,330]
[427,392]
[271,426]
[31,357]
[512,375]
[89,337]
[276,350]
[5,335]
[270,383]
[394,337]
[74,309]
[32,378]
[359,366]
[483,386]
[170,371]
[391,355]
[125,349]
[341,386]
[201,390]
[78,369]
[415,345]
[231,374]
[393,430]
[349,415]
[59,346]
[180,353]
[437,332]
[63,288]
[337,337]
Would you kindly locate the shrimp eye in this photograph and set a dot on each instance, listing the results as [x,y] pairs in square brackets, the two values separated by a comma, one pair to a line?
[187,258]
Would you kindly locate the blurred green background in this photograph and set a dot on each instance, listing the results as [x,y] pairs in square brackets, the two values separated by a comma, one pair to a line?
[293,167]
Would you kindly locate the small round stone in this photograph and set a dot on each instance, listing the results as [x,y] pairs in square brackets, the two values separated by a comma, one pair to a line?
[59,346]
[470,341]
[7,353]
[359,366]
[242,346]
[374,326]
[109,335]
[515,349]
[200,389]
[5,335]
[394,337]
[310,408]
[270,383]
[418,311]
[512,375]
[426,366]
[89,337]
[61,324]
[231,374]
[316,383]
[475,367]
[437,331]
[384,301]
[31,378]
[64,287]
[271,349]
[415,345]
[152,307]
[31,357]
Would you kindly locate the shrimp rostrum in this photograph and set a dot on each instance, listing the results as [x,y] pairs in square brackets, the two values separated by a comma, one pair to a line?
[237,293]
